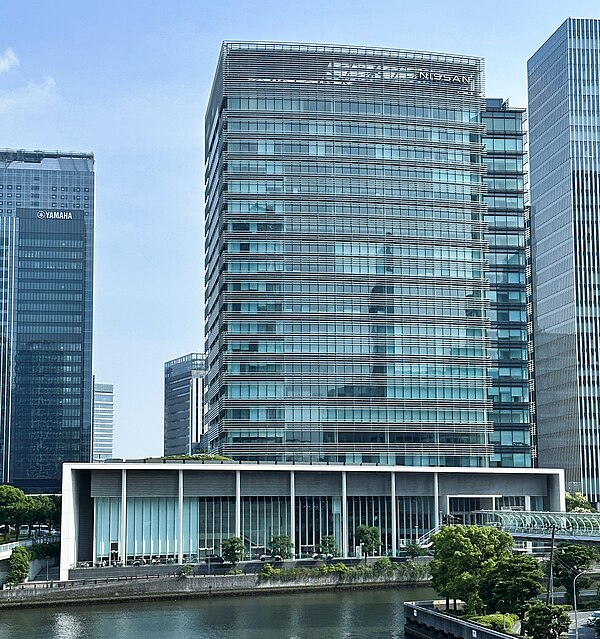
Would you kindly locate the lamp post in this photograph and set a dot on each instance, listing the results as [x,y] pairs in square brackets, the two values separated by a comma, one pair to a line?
[575,602]
[583,572]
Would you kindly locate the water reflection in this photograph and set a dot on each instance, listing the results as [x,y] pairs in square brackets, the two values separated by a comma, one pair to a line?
[66,625]
[366,614]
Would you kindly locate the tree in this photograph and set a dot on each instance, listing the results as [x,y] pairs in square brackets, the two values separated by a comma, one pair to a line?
[233,550]
[415,550]
[36,511]
[55,511]
[18,566]
[282,545]
[578,504]
[328,546]
[370,539]
[545,622]
[12,506]
[569,560]
[511,584]
[462,555]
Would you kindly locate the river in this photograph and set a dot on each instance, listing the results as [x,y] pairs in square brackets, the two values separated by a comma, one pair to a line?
[352,614]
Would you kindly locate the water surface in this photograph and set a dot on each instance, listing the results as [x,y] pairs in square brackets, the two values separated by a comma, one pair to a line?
[356,614]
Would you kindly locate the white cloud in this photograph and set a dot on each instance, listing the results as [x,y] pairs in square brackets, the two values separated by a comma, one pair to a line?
[34,95]
[8,61]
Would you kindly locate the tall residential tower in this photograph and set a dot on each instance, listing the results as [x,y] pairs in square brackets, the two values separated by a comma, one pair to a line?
[47,253]
[564,143]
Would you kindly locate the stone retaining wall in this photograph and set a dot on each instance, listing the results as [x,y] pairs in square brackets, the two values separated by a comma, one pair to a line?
[168,587]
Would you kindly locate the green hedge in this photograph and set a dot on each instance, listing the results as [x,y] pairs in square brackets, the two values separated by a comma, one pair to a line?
[497,621]
[41,551]
[383,567]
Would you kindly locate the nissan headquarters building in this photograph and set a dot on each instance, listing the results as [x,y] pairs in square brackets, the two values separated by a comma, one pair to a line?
[366,316]
[365,260]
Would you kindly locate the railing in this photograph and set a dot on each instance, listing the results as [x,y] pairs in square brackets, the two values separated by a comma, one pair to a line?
[425,540]
[543,524]
[6,549]
[422,621]
[79,583]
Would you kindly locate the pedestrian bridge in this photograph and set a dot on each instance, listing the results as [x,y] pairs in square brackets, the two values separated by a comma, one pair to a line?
[523,524]
[6,549]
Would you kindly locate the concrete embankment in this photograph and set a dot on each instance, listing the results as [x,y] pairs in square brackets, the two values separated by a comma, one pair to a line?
[170,587]
[422,621]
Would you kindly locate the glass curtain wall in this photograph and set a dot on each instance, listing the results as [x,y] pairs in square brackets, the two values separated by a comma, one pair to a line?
[346,315]
[508,296]
[564,145]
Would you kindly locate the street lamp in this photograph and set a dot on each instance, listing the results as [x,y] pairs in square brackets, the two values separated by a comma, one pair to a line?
[583,572]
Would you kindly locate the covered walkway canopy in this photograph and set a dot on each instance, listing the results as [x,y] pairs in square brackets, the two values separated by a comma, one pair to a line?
[543,525]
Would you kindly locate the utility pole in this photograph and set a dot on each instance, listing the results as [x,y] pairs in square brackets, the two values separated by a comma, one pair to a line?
[551,571]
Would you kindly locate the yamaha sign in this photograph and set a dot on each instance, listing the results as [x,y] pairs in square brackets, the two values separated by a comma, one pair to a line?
[55,215]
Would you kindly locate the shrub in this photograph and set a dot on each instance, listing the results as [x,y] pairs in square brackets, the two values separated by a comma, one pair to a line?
[497,621]
[41,551]
[340,568]
[267,571]
[185,571]
[18,566]
[383,566]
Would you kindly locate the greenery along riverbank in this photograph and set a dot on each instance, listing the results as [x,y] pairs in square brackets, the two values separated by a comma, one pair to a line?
[382,569]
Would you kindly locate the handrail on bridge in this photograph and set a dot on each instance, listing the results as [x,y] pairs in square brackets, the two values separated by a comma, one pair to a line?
[564,524]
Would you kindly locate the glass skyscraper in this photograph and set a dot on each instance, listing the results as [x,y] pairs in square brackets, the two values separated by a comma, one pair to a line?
[346,265]
[184,408]
[47,252]
[505,217]
[564,143]
[103,423]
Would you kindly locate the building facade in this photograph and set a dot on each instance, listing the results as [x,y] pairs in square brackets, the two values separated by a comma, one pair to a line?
[346,267]
[176,512]
[47,251]
[509,371]
[184,407]
[103,423]
[564,144]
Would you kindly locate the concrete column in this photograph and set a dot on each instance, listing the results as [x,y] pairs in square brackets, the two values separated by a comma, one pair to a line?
[345,552]
[238,504]
[123,540]
[68,536]
[394,516]
[528,502]
[293,510]
[180,519]
[436,500]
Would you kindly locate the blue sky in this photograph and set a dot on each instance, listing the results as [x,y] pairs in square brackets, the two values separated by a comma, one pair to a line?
[129,81]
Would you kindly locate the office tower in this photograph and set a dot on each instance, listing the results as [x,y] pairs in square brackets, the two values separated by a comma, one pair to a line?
[346,266]
[103,423]
[47,251]
[564,145]
[509,390]
[184,392]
